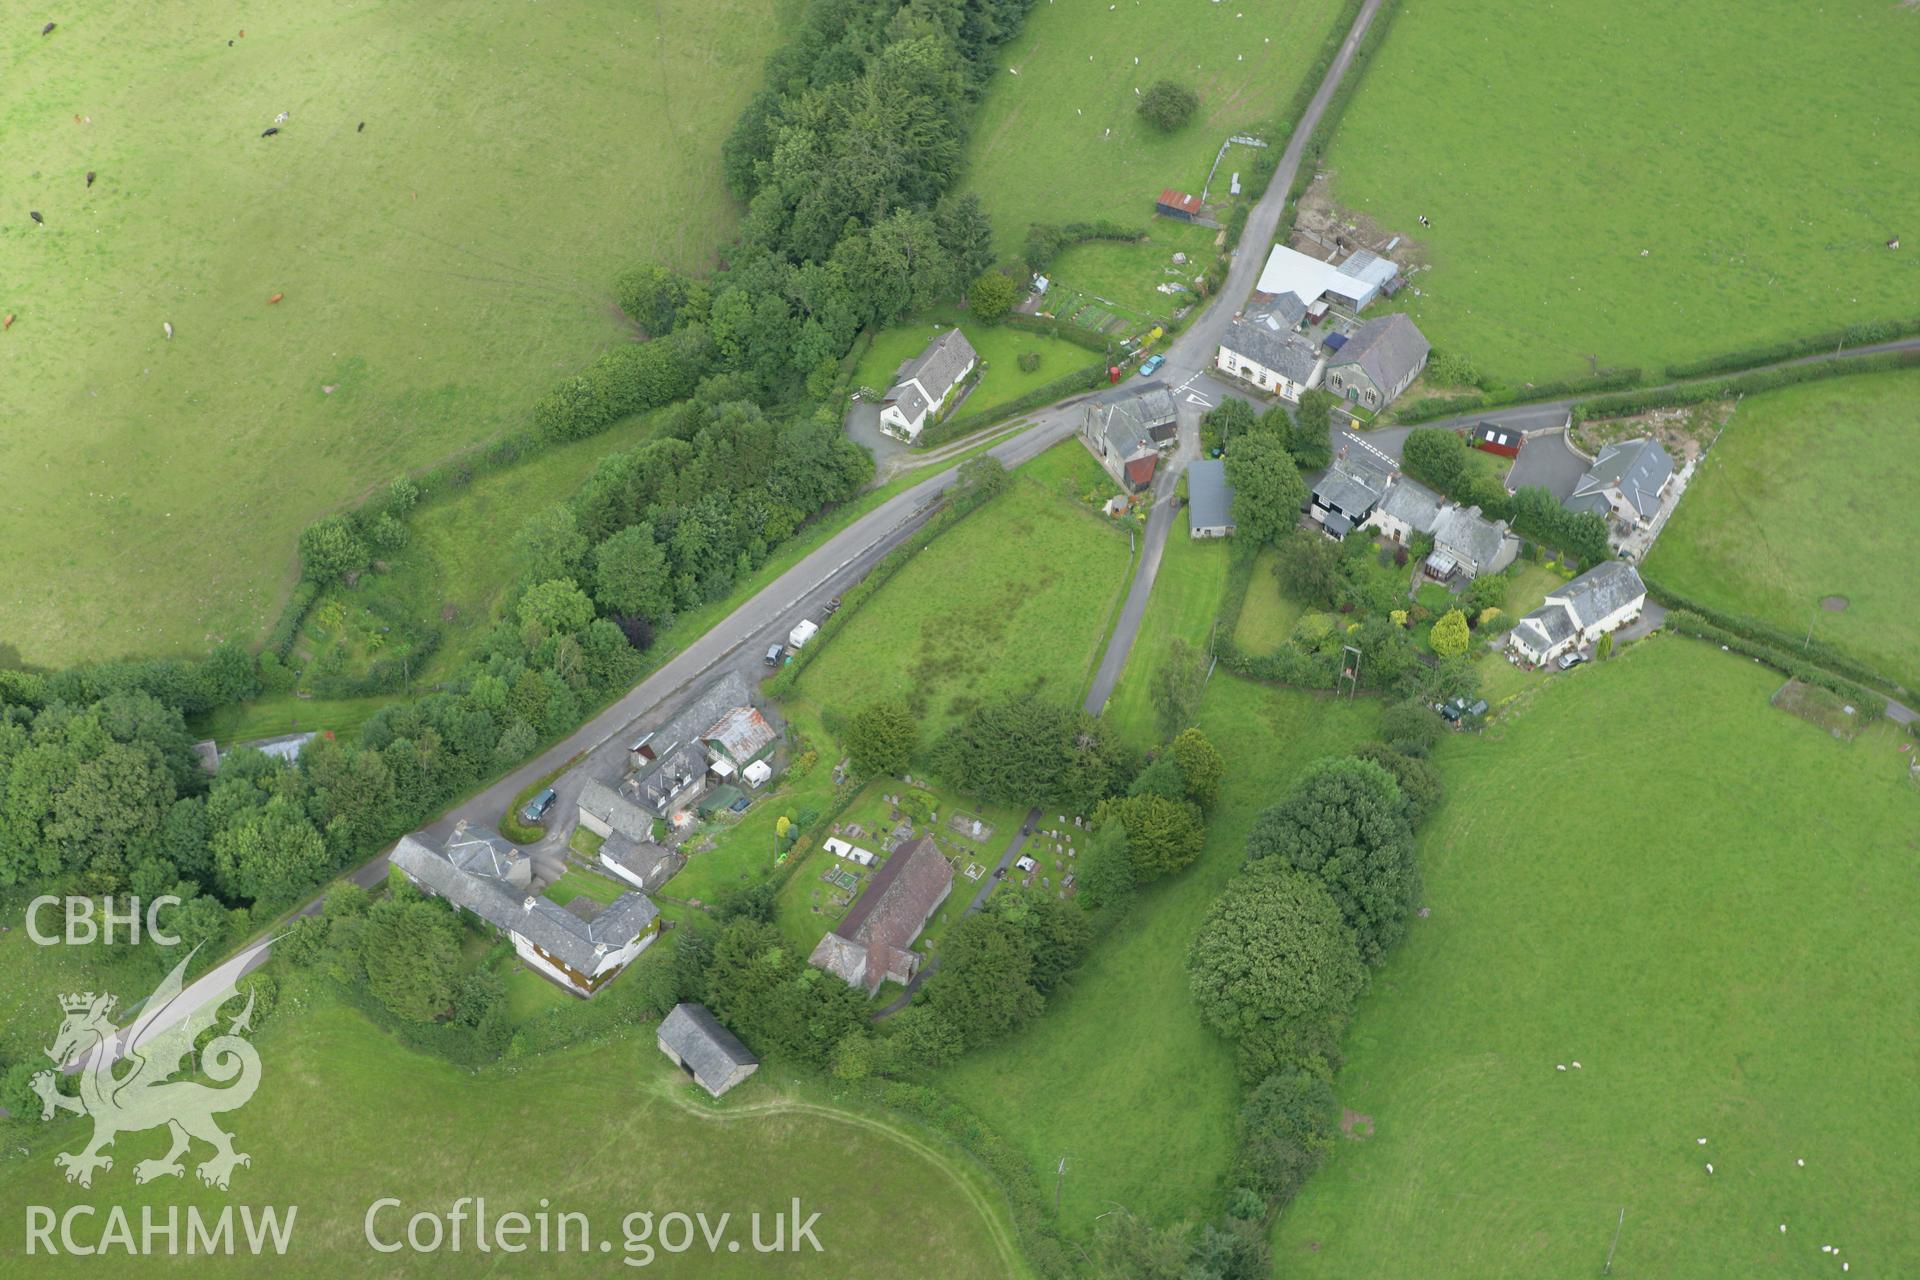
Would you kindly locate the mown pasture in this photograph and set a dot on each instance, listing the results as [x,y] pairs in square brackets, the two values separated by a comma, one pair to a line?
[438,271]
[1601,194]
[1713,920]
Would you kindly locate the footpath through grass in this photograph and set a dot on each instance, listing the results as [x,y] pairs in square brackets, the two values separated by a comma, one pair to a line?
[1120,1076]
[440,269]
[1810,494]
[1641,182]
[345,1116]
[1714,918]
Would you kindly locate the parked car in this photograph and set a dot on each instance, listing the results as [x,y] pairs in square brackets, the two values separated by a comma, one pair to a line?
[1569,661]
[773,654]
[1151,366]
[537,807]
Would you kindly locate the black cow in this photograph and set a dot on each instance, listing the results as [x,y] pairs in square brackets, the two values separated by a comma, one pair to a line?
[268,133]
[35,215]
[48,29]
[89,177]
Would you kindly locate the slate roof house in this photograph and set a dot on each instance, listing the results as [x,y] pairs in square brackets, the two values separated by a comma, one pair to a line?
[874,942]
[673,764]
[1600,600]
[1465,542]
[1209,499]
[922,384]
[581,950]
[1379,361]
[1264,350]
[1626,482]
[1126,429]
[1406,509]
[1346,495]
[699,1045]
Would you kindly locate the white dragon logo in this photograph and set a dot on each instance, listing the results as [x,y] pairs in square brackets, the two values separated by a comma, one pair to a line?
[157,1044]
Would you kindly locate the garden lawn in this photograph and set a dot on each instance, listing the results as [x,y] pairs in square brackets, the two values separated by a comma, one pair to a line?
[345,1116]
[1808,494]
[1119,1075]
[1268,616]
[1641,183]
[1128,273]
[440,270]
[575,883]
[1016,598]
[1713,917]
[1001,379]
[1186,598]
[1061,141]
[279,714]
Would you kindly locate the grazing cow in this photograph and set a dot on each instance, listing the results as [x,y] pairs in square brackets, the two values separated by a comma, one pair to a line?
[268,133]
[35,215]
[7,323]
[89,177]
[275,298]
[281,118]
[362,128]
[48,29]
[167,326]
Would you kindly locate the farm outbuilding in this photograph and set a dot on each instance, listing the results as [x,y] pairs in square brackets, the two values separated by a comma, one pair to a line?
[1178,204]
[1491,437]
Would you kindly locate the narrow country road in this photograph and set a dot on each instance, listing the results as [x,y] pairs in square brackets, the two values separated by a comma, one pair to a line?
[847,556]
[1191,355]
[1547,412]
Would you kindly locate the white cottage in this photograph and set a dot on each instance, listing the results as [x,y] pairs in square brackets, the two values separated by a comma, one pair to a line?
[1597,602]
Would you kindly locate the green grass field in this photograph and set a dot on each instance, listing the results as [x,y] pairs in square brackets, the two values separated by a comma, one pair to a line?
[1128,273]
[440,270]
[1761,530]
[1717,924]
[1017,597]
[1061,141]
[638,1138]
[1762,184]
[1000,348]
[1186,598]
[1120,1076]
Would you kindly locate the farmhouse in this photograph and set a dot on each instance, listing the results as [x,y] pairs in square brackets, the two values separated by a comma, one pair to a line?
[1178,204]
[873,943]
[1406,509]
[1209,499]
[1353,284]
[582,951]
[922,385]
[1262,348]
[693,1039]
[1597,602]
[1347,494]
[1491,437]
[1626,482]
[672,766]
[1378,361]
[1466,543]
[1126,429]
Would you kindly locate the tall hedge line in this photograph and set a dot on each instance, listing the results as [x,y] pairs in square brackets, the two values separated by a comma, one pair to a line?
[1428,408]
[1854,335]
[1076,334]
[1815,654]
[631,378]
[1869,704]
[1628,403]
